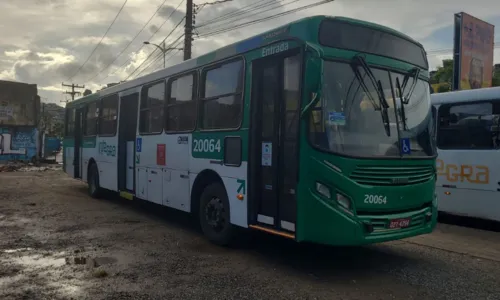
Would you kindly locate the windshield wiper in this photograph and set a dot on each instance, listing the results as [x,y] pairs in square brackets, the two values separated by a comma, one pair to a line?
[383,106]
[362,62]
[403,113]
[415,72]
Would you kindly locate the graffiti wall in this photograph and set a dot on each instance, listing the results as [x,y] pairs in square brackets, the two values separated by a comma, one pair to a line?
[18,143]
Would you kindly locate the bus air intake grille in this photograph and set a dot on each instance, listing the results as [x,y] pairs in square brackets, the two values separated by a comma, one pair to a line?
[385,175]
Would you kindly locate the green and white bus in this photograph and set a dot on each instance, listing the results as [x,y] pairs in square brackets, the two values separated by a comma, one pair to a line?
[319,131]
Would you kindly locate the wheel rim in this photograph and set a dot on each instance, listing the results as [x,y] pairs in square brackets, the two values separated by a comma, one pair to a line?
[215,214]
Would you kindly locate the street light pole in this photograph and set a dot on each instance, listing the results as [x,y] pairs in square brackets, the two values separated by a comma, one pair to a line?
[163,49]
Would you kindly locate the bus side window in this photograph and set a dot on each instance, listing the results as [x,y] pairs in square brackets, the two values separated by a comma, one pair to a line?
[222,96]
[91,118]
[181,112]
[108,116]
[467,126]
[152,108]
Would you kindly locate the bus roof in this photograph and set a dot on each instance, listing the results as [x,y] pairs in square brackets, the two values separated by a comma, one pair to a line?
[293,30]
[466,96]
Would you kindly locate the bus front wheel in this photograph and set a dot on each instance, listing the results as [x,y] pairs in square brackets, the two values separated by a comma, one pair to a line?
[214,214]
[93,181]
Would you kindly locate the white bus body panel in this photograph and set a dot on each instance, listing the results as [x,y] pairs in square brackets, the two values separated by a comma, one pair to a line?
[169,184]
[478,195]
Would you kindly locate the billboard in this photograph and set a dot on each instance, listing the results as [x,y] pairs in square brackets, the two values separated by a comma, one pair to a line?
[472,53]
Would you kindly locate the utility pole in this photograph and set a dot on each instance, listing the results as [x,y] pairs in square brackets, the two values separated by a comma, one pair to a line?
[188,30]
[73,92]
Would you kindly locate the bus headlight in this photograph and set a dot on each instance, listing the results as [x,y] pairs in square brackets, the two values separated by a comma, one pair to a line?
[323,190]
[344,202]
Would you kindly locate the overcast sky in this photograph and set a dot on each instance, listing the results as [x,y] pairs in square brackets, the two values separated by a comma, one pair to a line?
[46,41]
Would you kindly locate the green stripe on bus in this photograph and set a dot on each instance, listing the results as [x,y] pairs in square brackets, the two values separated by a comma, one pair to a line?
[87,142]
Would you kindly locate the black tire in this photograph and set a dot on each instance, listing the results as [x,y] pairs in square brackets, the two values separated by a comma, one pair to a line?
[214,215]
[94,188]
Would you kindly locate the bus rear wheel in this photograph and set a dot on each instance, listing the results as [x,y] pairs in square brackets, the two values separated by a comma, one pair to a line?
[214,215]
[93,182]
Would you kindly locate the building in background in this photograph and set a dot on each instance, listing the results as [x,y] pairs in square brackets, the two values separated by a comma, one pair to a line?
[19,121]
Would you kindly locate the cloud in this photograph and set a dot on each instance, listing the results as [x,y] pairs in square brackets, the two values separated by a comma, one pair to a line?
[47,41]
[170,13]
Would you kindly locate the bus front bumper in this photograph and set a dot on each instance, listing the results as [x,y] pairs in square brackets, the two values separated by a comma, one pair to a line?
[331,226]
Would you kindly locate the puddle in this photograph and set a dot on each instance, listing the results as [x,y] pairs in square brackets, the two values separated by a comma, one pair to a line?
[17,250]
[39,261]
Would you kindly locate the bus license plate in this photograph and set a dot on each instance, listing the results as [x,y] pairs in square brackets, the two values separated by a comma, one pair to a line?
[399,223]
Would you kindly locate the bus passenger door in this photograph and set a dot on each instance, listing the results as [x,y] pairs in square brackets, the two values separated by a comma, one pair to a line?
[77,158]
[274,141]
[126,142]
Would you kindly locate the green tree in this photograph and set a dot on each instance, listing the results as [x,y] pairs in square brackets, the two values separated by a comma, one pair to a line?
[443,88]
[444,73]
[496,79]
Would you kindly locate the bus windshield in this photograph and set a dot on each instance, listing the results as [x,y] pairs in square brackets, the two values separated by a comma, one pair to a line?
[348,121]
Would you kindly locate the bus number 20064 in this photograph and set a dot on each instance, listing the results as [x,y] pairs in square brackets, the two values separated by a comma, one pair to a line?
[375,199]
[206,145]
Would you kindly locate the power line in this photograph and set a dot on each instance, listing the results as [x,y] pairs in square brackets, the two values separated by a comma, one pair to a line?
[236,27]
[109,27]
[146,59]
[240,12]
[158,57]
[150,38]
[245,24]
[259,12]
[156,49]
[130,43]
[437,51]
[233,12]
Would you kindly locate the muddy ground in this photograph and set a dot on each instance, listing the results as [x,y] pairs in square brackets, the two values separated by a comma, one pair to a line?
[57,243]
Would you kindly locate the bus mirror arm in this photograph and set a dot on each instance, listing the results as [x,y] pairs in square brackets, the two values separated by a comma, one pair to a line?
[315,97]
[317,94]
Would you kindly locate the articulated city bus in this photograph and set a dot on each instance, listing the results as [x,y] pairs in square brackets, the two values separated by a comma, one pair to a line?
[317,131]
[468,143]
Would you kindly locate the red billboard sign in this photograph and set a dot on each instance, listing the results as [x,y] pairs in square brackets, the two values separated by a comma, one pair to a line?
[473,52]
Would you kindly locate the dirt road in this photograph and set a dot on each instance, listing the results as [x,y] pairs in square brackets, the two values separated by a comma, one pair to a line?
[57,243]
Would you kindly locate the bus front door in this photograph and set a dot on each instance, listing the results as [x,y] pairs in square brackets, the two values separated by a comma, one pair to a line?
[274,141]
[126,142]
[77,158]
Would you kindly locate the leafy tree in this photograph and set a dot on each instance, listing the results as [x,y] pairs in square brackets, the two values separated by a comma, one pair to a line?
[87,92]
[443,88]
[444,73]
[496,78]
